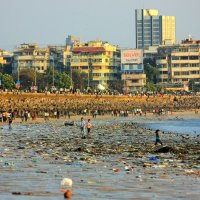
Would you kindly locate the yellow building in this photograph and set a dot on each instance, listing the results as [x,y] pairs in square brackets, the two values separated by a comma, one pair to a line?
[2,60]
[100,59]
[168,29]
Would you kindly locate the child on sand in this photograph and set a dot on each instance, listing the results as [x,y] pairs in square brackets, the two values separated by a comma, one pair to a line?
[88,126]
[158,137]
[10,123]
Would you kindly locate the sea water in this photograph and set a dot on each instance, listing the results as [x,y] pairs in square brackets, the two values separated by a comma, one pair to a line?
[177,126]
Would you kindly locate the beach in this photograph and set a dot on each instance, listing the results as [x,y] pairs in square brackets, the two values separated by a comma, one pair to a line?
[39,103]
[118,161]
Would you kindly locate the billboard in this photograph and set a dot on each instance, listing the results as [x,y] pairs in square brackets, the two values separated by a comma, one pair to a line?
[132,56]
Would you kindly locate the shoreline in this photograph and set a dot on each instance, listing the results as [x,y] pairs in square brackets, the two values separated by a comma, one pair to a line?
[184,115]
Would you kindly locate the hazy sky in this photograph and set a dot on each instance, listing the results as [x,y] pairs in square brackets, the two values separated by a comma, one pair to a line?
[51,21]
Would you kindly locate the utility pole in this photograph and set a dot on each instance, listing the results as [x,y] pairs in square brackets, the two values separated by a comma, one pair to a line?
[53,71]
[89,69]
[35,71]
[18,69]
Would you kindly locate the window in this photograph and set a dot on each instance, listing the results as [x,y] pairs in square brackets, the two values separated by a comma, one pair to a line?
[193,57]
[184,58]
[176,73]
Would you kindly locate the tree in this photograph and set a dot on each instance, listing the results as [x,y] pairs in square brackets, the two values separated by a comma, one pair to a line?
[116,85]
[64,80]
[193,86]
[153,87]
[26,77]
[79,79]
[7,81]
[61,80]
[151,71]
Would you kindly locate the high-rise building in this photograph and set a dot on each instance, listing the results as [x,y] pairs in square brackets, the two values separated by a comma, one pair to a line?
[152,29]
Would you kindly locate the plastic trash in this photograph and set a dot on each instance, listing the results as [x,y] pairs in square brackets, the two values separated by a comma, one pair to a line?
[9,163]
[116,170]
[74,164]
[68,194]
[153,159]
[66,182]
[21,146]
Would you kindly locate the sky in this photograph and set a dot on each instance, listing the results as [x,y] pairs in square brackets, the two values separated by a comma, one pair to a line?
[51,21]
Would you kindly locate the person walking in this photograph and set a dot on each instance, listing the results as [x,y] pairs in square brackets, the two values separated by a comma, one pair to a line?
[82,125]
[158,140]
[88,126]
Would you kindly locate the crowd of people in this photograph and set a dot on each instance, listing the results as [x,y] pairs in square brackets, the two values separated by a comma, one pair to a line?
[31,106]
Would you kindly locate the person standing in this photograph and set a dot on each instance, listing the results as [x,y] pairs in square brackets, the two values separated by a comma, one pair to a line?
[158,140]
[10,123]
[82,125]
[88,126]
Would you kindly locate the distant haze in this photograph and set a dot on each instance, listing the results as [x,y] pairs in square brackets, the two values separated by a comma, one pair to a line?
[51,21]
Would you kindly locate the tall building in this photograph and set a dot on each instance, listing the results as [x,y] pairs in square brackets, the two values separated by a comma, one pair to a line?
[152,29]
[99,58]
[71,41]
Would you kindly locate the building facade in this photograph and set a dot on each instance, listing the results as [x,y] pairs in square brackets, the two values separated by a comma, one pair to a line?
[132,70]
[178,64]
[2,60]
[99,58]
[30,56]
[152,29]
[6,59]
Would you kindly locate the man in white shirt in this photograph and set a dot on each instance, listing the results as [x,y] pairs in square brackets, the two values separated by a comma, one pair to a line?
[82,125]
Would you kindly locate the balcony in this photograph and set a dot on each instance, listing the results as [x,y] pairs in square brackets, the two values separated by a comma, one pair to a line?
[133,76]
[185,54]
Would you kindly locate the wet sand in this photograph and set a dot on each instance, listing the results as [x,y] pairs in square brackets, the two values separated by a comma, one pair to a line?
[119,161]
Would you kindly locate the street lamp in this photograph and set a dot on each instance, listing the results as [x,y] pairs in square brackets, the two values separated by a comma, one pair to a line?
[71,76]
[18,69]
[53,71]
[125,82]
[89,70]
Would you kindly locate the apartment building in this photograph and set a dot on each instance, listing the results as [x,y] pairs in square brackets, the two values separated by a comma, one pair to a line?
[56,57]
[2,60]
[100,59]
[132,70]
[30,56]
[179,63]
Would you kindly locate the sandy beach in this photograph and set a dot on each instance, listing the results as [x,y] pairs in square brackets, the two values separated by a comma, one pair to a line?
[118,161]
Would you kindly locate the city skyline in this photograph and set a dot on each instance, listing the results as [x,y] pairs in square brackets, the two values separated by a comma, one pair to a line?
[47,22]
